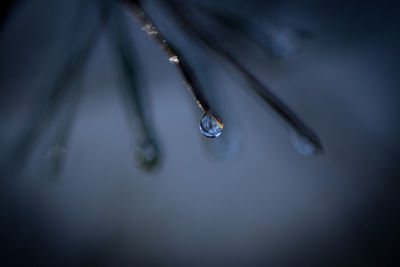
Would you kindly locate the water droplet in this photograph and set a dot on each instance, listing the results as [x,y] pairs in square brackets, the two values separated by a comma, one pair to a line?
[174,59]
[147,154]
[303,145]
[211,125]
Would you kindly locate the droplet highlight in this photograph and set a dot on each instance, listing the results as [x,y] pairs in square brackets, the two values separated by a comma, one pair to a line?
[211,125]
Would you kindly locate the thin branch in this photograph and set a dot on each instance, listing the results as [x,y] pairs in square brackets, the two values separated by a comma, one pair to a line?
[147,151]
[187,22]
[174,56]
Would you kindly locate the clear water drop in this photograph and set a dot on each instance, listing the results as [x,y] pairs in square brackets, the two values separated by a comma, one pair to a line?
[303,145]
[211,125]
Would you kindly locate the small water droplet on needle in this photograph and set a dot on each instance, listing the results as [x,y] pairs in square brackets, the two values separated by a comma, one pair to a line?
[211,125]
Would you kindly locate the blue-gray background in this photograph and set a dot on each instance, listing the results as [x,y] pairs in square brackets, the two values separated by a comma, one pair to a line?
[246,199]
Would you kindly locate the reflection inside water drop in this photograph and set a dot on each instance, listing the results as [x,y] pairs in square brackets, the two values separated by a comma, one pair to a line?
[211,125]
[303,145]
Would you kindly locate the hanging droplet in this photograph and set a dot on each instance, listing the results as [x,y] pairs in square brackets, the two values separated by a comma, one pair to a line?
[146,154]
[211,125]
[303,145]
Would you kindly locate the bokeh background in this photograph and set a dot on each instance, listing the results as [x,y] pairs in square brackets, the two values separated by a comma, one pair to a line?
[245,199]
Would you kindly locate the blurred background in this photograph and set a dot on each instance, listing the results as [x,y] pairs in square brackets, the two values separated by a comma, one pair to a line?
[102,163]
